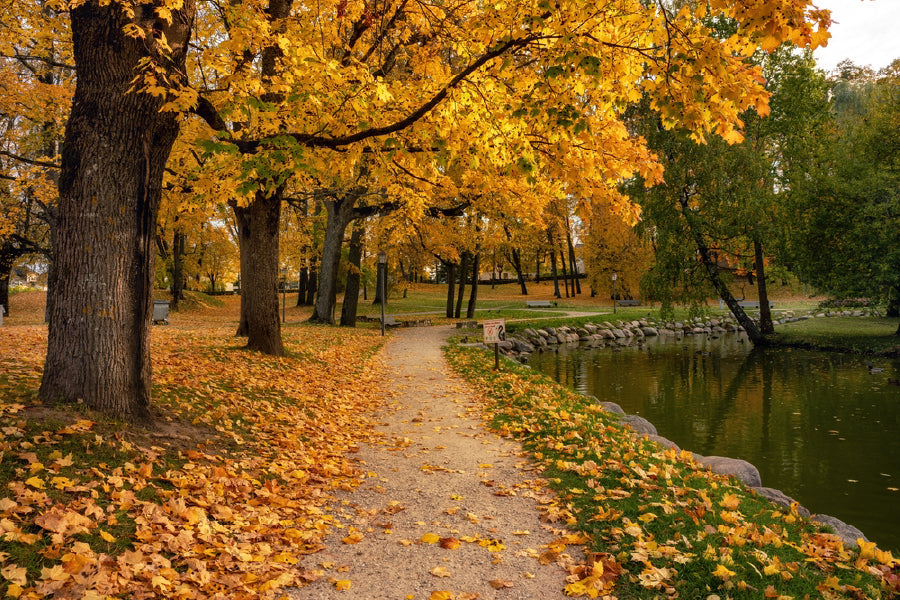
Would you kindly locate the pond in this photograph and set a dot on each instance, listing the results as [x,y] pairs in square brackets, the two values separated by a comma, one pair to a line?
[822,427]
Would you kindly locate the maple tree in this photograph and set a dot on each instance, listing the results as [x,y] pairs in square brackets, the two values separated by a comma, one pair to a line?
[374,85]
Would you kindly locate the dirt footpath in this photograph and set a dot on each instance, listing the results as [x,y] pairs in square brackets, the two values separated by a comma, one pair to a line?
[447,510]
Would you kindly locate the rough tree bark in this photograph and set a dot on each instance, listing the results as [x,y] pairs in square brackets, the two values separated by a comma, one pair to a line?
[302,282]
[451,287]
[351,289]
[473,296]
[765,312]
[556,293]
[5,272]
[463,271]
[115,149]
[339,214]
[576,285]
[562,260]
[178,251]
[258,228]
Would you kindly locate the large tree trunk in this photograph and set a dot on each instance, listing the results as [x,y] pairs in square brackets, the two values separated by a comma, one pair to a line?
[765,312]
[562,260]
[302,280]
[451,288]
[339,215]
[115,150]
[5,272]
[351,290]
[259,225]
[576,285]
[178,251]
[463,270]
[312,282]
[473,296]
[242,219]
[556,293]
[516,260]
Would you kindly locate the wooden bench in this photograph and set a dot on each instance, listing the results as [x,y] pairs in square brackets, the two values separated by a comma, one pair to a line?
[539,304]
[628,302]
[465,324]
[390,321]
[752,304]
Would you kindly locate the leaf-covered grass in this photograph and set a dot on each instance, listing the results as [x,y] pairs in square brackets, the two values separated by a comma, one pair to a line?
[658,525]
[219,499]
[865,335]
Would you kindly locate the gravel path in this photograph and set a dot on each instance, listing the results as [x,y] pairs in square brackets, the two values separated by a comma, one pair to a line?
[445,507]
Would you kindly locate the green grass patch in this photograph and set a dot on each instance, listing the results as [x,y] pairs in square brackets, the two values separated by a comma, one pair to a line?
[672,528]
[864,335]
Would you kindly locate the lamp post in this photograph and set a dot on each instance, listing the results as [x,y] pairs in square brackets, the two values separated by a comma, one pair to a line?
[382,279]
[614,277]
[283,294]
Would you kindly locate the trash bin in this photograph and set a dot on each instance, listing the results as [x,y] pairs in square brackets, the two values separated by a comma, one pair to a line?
[160,312]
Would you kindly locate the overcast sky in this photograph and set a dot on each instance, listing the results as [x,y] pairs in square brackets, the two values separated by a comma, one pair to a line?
[865,31]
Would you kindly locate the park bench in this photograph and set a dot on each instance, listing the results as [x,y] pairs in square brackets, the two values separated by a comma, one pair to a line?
[538,304]
[465,324]
[752,304]
[629,302]
[390,321]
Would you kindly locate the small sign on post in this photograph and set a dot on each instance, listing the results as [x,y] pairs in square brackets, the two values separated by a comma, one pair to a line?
[494,333]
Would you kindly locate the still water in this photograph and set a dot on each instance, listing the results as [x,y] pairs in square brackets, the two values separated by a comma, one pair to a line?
[822,427]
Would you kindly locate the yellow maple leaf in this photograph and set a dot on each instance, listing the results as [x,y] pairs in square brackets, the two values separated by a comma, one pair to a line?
[722,572]
[441,595]
[430,538]
[342,585]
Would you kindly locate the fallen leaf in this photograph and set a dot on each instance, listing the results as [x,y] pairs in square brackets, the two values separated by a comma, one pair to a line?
[430,538]
[342,585]
[449,543]
[440,572]
[499,584]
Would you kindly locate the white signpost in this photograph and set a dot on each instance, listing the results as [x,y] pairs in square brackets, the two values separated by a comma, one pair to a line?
[494,333]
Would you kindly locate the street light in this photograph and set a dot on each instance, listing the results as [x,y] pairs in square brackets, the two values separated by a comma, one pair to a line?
[614,277]
[382,277]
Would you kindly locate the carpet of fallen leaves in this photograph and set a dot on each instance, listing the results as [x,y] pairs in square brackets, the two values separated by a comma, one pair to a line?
[659,525]
[219,500]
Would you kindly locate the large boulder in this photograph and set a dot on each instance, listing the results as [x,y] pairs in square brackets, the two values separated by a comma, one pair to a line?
[848,533]
[666,442]
[612,407]
[649,331]
[779,497]
[744,471]
[639,424]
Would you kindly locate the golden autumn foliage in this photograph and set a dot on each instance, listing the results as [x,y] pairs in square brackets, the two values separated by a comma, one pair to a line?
[219,501]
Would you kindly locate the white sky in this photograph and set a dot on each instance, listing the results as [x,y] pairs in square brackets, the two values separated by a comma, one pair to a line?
[865,31]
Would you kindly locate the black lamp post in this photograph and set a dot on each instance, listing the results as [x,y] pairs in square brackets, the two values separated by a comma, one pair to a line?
[382,279]
[614,292]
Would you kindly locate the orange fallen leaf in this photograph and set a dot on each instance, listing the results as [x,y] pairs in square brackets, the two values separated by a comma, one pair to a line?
[440,572]
[441,595]
[499,584]
[449,543]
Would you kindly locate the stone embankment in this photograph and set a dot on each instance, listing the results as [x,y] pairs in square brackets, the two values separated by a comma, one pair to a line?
[596,335]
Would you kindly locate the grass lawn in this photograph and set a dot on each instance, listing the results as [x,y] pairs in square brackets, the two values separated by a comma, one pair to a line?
[854,334]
